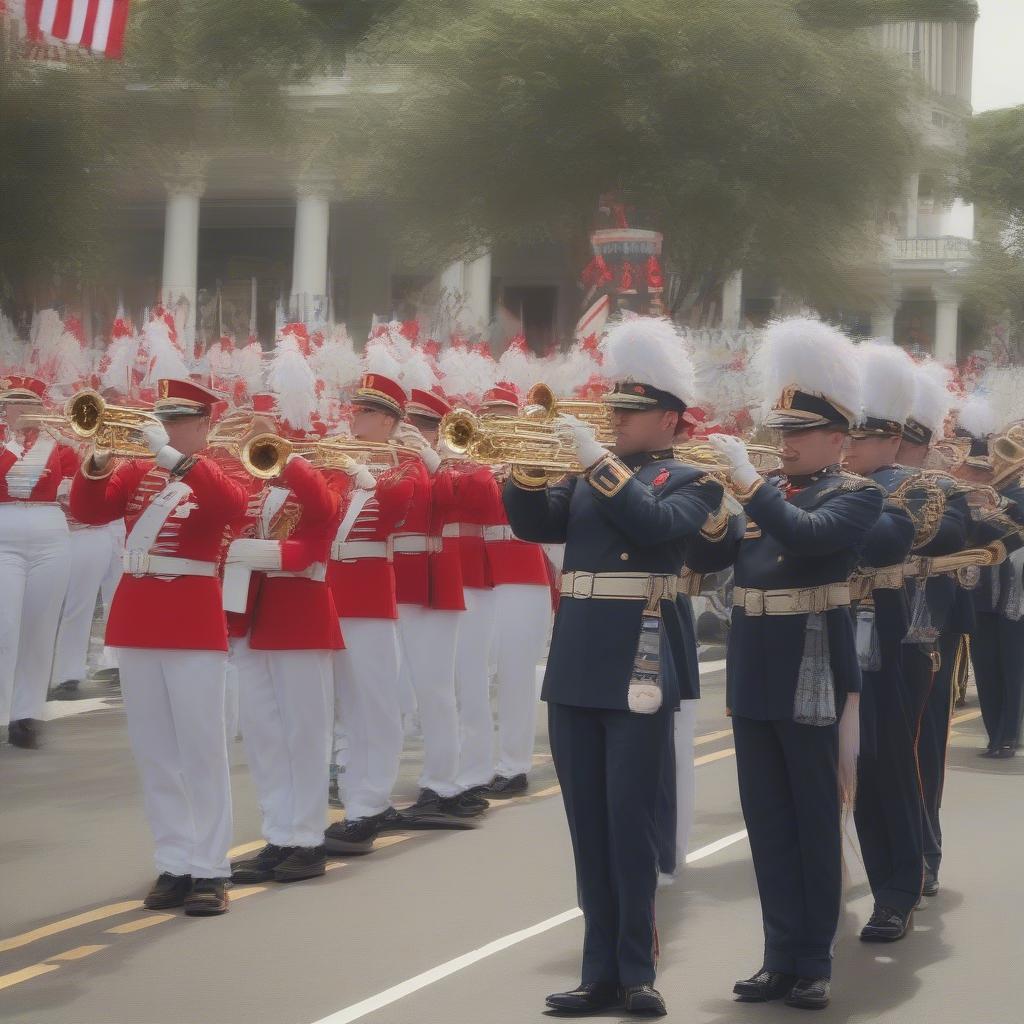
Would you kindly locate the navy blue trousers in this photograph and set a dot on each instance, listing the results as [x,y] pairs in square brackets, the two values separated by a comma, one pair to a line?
[609,766]
[997,652]
[790,798]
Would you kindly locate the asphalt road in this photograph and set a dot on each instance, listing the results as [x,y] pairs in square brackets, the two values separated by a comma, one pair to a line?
[462,928]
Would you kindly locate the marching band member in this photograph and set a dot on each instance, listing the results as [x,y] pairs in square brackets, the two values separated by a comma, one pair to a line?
[948,603]
[997,640]
[888,810]
[617,664]
[282,649]
[793,681]
[522,617]
[167,619]
[34,561]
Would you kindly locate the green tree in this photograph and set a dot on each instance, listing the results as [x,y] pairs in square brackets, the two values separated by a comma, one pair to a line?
[753,133]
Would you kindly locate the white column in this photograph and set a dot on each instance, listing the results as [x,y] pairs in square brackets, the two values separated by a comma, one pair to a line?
[477,279]
[883,322]
[947,310]
[910,198]
[181,255]
[732,300]
[309,264]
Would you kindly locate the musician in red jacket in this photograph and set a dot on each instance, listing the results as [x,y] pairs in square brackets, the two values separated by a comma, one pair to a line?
[34,560]
[522,615]
[167,618]
[284,629]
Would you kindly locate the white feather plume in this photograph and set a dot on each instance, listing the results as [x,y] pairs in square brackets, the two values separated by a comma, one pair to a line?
[976,415]
[417,371]
[518,367]
[165,359]
[1005,386]
[650,350]
[291,379]
[932,395]
[571,370]
[379,358]
[121,353]
[811,355]
[888,379]
[248,364]
[466,374]
[336,362]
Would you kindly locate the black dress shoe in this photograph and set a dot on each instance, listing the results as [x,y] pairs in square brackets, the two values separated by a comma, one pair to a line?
[168,891]
[886,925]
[261,867]
[301,863]
[931,883]
[207,898]
[987,752]
[464,805]
[643,1000]
[592,998]
[501,788]
[810,994]
[23,733]
[68,690]
[764,986]
[1003,751]
[354,836]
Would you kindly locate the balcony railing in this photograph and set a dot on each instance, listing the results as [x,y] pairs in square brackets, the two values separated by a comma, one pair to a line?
[931,250]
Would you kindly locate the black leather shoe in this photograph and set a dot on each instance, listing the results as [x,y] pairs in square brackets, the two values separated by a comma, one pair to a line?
[643,1000]
[987,752]
[464,806]
[502,788]
[168,891]
[764,987]
[886,925]
[428,802]
[592,998]
[931,883]
[206,898]
[68,690]
[1003,751]
[261,867]
[23,733]
[810,994]
[353,836]
[303,862]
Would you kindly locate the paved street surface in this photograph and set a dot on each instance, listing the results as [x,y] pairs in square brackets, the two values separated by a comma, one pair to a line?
[463,927]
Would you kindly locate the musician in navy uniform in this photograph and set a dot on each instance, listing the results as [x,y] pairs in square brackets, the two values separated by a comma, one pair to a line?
[949,605]
[626,524]
[997,642]
[896,675]
[792,677]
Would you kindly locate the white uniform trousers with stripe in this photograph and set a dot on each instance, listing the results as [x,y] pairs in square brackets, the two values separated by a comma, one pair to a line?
[473,686]
[368,713]
[175,706]
[34,569]
[285,703]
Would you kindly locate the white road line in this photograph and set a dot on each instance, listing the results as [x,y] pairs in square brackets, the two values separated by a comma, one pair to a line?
[711,666]
[391,995]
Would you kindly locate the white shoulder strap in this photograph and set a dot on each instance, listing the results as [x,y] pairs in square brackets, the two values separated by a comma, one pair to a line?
[149,524]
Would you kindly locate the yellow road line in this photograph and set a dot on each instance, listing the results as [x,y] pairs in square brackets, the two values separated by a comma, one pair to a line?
[138,925]
[77,953]
[241,891]
[26,974]
[711,737]
[239,851]
[967,716]
[67,923]
[716,756]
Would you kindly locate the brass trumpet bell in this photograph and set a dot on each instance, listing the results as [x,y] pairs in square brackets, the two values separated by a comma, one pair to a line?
[596,414]
[114,428]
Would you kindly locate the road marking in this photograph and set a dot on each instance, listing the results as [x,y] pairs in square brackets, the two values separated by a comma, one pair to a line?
[240,892]
[137,926]
[711,666]
[718,755]
[406,988]
[967,716]
[711,737]
[26,974]
[67,923]
[239,851]
[77,953]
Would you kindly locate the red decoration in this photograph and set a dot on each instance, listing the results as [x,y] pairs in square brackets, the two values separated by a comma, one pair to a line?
[660,479]
[626,283]
[596,273]
[655,281]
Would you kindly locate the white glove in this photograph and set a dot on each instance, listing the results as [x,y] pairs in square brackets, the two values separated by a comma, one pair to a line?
[849,749]
[155,435]
[361,477]
[64,491]
[406,434]
[16,448]
[588,450]
[734,452]
[261,555]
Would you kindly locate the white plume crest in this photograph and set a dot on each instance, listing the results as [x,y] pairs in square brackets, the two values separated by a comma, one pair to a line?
[815,357]
[121,354]
[1005,387]
[57,354]
[417,371]
[518,366]
[888,378]
[336,362]
[649,350]
[248,365]
[379,358]
[291,379]
[165,359]
[466,374]
[571,371]
[976,415]
[933,398]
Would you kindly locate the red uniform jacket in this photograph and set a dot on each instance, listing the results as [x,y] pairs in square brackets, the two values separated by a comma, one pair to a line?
[61,464]
[178,612]
[445,562]
[293,613]
[411,538]
[479,499]
[512,560]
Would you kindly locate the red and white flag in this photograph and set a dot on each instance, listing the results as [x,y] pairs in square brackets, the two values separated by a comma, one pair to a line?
[593,321]
[96,25]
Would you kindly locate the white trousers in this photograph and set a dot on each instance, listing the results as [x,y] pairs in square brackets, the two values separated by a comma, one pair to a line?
[368,712]
[428,638]
[175,706]
[34,569]
[90,555]
[522,617]
[108,659]
[686,785]
[285,704]
[473,687]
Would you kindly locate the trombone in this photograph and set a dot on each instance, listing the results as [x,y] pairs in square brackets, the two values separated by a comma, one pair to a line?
[264,456]
[113,428]
[596,414]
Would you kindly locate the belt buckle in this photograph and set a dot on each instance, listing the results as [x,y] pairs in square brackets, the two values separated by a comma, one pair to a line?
[753,603]
[817,600]
[583,586]
[138,563]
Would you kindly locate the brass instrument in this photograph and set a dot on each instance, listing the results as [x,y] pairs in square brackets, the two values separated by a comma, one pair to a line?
[949,452]
[228,432]
[595,414]
[113,428]
[921,497]
[765,458]
[264,456]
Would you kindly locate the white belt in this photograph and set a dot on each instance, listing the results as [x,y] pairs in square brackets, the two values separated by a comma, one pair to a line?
[619,586]
[498,533]
[462,530]
[142,563]
[410,544]
[793,601]
[19,503]
[317,571]
[351,549]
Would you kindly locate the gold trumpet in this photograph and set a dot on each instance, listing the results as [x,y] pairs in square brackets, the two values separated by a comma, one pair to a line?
[264,456]
[113,428]
[765,458]
[596,414]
